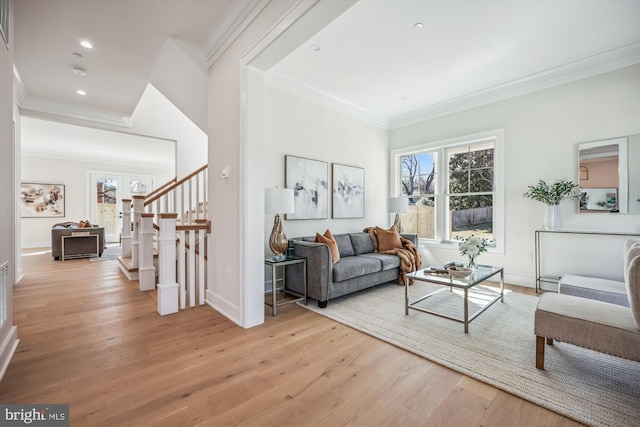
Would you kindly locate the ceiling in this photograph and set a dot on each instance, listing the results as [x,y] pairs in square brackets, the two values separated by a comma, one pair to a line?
[375,60]
[371,60]
[59,140]
[127,37]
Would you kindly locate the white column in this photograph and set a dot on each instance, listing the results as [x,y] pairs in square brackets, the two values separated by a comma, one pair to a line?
[126,228]
[146,270]
[138,210]
[167,286]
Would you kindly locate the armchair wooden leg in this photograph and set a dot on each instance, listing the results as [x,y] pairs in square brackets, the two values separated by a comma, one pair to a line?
[549,341]
[540,352]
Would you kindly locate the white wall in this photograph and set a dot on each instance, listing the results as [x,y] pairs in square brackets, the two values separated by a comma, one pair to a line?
[542,131]
[293,126]
[8,332]
[156,116]
[190,96]
[36,232]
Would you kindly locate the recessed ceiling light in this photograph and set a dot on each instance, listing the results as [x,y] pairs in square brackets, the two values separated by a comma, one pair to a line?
[80,71]
[81,92]
[404,97]
[418,25]
[315,47]
[86,44]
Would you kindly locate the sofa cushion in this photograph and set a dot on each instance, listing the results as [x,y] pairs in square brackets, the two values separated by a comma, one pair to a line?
[355,266]
[388,239]
[344,245]
[361,243]
[388,261]
[328,240]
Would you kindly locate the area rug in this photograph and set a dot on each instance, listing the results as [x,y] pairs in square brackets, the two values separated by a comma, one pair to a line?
[589,387]
[111,252]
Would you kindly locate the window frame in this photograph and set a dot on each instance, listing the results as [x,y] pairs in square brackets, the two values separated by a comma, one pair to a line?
[441,190]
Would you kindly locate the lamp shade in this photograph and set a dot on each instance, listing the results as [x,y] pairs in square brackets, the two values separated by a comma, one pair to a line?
[398,205]
[278,200]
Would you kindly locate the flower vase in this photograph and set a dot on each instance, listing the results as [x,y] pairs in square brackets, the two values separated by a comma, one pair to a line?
[553,218]
[472,263]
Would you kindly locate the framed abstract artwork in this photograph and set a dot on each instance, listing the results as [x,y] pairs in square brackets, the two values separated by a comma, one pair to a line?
[348,191]
[309,180]
[42,200]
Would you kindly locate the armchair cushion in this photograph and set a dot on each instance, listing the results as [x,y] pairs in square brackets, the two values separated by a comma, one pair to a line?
[633,286]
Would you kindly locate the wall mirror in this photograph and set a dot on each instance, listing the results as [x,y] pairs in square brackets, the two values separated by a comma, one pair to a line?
[609,175]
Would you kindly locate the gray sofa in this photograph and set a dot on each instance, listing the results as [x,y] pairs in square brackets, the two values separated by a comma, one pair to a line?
[76,247]
[358,268]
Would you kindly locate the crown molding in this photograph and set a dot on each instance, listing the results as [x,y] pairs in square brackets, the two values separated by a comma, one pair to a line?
[105,160]
[46,108]
[235,20]
[598,64]
[339,105]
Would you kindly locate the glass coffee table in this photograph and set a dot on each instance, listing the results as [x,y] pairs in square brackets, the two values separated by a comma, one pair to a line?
[448,282]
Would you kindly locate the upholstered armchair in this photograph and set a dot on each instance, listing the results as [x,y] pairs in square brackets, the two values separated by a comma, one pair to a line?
[594,323]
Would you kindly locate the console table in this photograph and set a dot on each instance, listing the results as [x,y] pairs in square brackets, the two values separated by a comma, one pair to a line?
[538,252]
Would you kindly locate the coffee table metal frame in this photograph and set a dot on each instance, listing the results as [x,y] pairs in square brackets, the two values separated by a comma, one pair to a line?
[482,273]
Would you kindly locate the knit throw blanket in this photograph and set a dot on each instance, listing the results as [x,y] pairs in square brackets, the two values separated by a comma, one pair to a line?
[409,255]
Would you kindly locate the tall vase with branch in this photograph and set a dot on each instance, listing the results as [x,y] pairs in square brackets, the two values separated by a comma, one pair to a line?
[552,195]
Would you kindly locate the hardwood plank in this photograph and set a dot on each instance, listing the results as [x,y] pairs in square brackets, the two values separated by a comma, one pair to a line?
[90,338]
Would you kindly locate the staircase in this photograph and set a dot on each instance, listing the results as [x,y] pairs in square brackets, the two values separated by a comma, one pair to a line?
[164,241]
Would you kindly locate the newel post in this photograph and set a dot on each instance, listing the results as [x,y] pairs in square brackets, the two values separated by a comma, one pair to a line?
[146,270]
[125,239]
[138,210]
[167,286]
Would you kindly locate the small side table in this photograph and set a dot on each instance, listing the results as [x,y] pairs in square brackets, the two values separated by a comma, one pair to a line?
[275,263]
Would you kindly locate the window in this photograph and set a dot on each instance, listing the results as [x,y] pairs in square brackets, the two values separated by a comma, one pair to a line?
[454,188]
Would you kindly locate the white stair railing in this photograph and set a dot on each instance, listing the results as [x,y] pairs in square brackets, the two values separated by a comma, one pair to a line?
[187,197]
[190,277]
[181,244]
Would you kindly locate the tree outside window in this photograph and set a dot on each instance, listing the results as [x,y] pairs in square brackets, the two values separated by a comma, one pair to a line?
[470,190]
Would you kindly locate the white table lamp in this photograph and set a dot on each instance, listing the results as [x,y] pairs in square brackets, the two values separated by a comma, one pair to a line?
[398,205]
[278,201]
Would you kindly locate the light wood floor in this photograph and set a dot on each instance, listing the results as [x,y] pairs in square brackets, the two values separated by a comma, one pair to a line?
[91,339]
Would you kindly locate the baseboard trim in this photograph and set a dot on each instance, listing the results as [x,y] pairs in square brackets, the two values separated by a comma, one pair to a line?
[8,349]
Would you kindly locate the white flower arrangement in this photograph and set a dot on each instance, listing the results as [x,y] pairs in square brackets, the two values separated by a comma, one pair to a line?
[473,246]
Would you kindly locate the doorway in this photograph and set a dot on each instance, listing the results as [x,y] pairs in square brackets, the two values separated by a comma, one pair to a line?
[105,199]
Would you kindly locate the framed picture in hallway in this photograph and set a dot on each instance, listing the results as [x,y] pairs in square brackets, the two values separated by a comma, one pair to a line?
[348,191]
[41,200]
[310,182]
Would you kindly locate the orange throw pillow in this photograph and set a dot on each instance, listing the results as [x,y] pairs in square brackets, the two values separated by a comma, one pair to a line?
[388,239]
[328,239]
